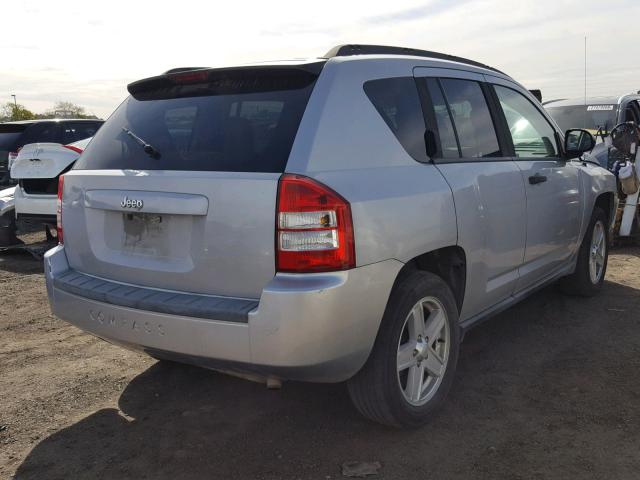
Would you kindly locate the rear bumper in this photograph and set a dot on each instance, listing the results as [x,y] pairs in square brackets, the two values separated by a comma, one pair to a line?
[32,204]
[316,327]
[28,221]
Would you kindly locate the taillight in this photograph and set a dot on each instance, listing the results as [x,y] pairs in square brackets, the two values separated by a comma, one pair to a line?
[75,149]
[12,156]
[59,210]
[314,230]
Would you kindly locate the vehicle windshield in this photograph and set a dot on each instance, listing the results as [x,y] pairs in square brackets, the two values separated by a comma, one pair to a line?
[590,117]
[234,125]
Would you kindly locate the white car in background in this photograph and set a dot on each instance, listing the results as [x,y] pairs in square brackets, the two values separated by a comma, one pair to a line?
[7,218]
[37,169]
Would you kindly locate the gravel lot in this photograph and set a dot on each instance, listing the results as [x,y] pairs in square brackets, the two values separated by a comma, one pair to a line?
[548,389]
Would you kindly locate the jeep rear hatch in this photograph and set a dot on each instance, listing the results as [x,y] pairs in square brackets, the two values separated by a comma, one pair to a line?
[178,189]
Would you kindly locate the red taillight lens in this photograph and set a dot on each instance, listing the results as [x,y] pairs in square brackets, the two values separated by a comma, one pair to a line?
[59,210]
[314,230]
[75,149]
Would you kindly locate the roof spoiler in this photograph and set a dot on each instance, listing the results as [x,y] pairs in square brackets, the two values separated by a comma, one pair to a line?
[219,81]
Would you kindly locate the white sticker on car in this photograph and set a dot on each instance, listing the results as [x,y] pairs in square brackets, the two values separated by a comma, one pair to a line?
[591,108]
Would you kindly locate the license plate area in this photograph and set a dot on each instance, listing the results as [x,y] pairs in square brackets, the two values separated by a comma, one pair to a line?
[145,233]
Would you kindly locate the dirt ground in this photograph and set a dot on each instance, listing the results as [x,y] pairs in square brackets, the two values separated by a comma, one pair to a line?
[548,389]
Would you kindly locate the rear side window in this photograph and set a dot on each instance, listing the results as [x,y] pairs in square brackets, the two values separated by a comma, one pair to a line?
[41,132]
[72,132]
[398,103]
[471,117]
[9,134]
[530,131]
[448,143]
[236,123]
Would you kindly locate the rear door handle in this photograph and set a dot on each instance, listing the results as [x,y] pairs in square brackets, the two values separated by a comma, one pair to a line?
[537,178]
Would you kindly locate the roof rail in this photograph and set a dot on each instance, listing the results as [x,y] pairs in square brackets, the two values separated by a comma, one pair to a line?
[352,49]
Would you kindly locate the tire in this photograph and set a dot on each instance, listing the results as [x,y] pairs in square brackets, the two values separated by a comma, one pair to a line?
[584,281]
[379,391]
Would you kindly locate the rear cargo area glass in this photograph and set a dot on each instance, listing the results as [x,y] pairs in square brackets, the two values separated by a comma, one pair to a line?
[246,127]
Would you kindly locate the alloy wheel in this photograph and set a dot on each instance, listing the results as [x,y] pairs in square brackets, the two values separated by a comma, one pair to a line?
[423,351]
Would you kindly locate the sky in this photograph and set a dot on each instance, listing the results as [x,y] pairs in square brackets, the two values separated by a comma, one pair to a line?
[87,51]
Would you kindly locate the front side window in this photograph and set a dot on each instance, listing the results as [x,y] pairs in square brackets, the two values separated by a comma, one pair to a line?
[397,102]
[532,134]
[471,117]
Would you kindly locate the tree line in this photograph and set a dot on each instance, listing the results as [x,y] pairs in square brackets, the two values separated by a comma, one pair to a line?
[11,111]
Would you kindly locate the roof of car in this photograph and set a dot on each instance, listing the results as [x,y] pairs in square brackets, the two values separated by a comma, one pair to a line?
[353,52]
[341,53]
[608,100]
[22,122]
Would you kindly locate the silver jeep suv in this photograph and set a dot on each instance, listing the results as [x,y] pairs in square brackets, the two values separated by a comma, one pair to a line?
[345,218]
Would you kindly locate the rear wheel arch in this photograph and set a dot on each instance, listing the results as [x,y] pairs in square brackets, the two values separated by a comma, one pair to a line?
[448,263]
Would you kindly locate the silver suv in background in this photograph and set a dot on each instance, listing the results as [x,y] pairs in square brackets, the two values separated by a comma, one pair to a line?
[344,218]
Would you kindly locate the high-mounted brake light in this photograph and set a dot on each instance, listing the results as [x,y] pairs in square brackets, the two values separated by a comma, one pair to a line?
[314,229]
[59,210]
[189,77]
[75,149]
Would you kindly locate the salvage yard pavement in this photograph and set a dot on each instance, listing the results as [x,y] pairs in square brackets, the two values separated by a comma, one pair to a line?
[548,389]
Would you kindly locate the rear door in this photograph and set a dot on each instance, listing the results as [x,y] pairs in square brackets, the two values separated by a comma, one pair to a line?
[177,190]
[486,183]
[552,187]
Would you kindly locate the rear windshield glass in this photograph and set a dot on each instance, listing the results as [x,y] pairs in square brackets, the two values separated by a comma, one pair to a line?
[243,125]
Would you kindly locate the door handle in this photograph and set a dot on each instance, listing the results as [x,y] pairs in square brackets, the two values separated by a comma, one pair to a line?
[537,178]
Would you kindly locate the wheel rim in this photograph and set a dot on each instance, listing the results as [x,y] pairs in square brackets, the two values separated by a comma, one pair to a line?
[597,252]
[423,351]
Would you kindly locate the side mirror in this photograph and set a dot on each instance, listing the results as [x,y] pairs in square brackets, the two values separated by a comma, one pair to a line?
[578,141]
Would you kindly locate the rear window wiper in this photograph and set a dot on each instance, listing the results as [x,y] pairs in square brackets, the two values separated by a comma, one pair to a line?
[147,147]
